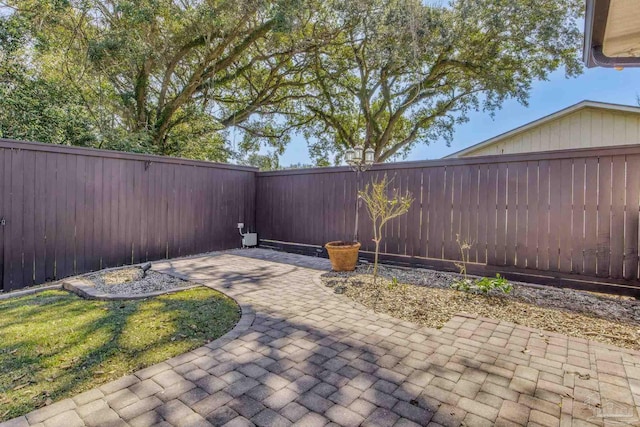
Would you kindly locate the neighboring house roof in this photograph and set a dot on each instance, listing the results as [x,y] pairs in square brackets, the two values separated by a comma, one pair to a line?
[558,114]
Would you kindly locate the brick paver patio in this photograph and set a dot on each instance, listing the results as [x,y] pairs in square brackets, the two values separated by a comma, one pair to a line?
[304,356]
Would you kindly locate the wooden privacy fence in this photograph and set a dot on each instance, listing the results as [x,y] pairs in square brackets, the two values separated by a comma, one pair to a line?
[568,217]
[565,215]
[65,211]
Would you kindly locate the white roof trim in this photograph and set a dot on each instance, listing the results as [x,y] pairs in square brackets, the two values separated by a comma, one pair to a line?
[572,109]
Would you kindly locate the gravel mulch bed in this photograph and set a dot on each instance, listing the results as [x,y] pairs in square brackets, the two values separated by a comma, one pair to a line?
[425,297]
[130,281]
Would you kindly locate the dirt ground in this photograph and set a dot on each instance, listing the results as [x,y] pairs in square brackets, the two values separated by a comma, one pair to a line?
[425,297]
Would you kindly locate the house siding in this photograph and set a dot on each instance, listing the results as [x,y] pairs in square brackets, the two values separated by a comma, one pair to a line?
[588,127]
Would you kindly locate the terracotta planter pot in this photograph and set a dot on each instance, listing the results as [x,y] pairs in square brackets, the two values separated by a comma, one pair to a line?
[343,255]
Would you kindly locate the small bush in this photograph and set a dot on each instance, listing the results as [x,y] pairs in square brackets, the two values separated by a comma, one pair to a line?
[483,285]
[498,283]
[464,284]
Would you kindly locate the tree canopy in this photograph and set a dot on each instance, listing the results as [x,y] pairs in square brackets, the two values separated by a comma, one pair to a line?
[406,71]
[32,107]
[171,76]
[179,77]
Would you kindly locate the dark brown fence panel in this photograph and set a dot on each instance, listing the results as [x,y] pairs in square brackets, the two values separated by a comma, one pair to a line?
[604,211]
[631,215]
[590,247]
[70,211]
[567,214]
[560,214]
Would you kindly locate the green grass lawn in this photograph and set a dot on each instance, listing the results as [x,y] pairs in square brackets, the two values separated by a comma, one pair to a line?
[54,344]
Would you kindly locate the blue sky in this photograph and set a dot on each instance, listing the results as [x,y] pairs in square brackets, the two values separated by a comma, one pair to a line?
[546,97]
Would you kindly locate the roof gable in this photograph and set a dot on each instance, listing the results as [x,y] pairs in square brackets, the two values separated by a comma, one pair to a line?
[546,119]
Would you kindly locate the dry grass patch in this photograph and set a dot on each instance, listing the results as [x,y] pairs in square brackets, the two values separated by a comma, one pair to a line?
[121,275]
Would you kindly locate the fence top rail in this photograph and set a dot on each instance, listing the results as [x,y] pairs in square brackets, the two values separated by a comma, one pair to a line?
[110,154]
[619,150]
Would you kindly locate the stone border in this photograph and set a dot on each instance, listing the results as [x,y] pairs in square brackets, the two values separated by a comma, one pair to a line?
[85,289]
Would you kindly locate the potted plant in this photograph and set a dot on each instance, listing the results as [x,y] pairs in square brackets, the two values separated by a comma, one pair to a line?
[344,254]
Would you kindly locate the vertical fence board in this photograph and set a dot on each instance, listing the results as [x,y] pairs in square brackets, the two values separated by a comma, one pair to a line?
[279,209]
[251,217]
[424,212]
[173,209]
[89,213]
[533,193]
[29,220]
[4,206]
[190,207]
[566,194]
[449,249]
[402,220]
[5,187]
[53,198]
[181,189]
[544,214]
[590,217]
[502,213]
[474,210]
[631,218]
[414,227]
[521,215]
[193,221]
[211,200]
[122,250]
[436,213]
[482,215]
[200,211]
[351,199]
[70,219]
[13,254]
[617,216]
[557,190]
[318,189]
[165,193]
[99,217]
[142,202]
[577,220]
[604,216]
[80,215]
[114,201]
[512,213]
[151,221]
[466,189]
[39,220]
[492,214]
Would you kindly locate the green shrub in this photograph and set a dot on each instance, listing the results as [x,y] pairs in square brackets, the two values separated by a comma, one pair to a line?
[498,283]
[464,284]
[483,285]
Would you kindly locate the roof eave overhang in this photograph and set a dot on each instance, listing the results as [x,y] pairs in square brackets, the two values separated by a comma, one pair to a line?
[595,24]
